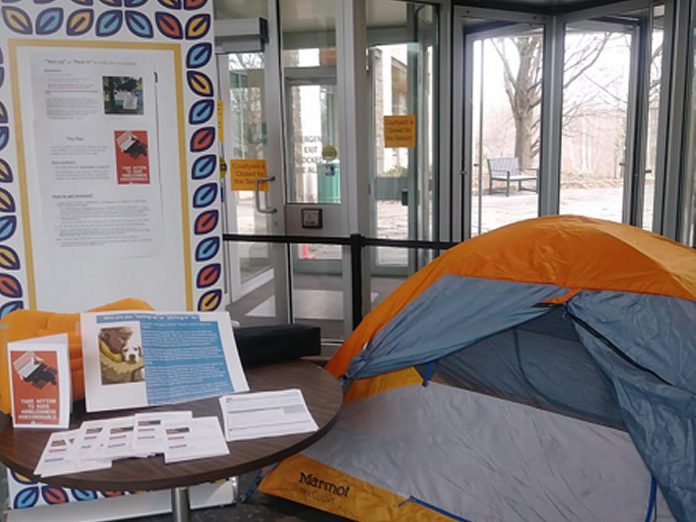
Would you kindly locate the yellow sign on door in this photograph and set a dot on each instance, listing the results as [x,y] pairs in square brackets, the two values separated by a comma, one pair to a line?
[244,172]
[399,131]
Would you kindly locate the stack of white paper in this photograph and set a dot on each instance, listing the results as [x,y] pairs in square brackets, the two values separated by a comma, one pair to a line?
[149,436]
[58,457]
[98,443]
[194,439]
[176,434]
[265,414]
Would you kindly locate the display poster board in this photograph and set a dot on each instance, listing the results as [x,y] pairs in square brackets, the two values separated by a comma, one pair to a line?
[108,168]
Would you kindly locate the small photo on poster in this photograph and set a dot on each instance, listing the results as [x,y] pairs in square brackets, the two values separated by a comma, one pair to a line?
[121,354]
[123,94]
[37,369]
[132,165]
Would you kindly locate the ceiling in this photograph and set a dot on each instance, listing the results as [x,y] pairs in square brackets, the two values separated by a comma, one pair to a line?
[540,6]
[389,11]
[307,15]
[313,15]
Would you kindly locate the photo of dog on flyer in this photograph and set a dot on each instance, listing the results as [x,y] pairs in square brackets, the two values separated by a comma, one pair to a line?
[121,353]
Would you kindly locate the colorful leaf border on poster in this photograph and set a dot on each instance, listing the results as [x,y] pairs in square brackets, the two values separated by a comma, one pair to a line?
[25,493]
[189,23]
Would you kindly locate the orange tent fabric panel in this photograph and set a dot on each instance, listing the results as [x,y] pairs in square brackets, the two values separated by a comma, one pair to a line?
[572,252]
[312,483]
[362,388]
[25,324]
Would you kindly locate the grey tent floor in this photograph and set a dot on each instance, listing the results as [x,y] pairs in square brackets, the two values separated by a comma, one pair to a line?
[260,507]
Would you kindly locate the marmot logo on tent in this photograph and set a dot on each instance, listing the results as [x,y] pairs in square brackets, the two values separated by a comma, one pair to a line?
[311,480]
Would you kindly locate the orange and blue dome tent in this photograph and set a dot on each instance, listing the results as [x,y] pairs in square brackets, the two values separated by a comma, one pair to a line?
[542,371]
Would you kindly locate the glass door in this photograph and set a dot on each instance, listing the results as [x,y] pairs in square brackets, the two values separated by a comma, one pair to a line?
[403,55]
[506,133]
[611,113]
[657,37]
[603,82]
[596,140]
[298,113]
[249,148]
[314,170]
[689,206]
[246,127]
[499,78]
[314,167]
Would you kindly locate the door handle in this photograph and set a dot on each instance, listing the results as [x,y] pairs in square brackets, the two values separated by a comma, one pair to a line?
[257,196]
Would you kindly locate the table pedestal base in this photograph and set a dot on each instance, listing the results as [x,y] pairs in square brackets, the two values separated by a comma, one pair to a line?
[181,505]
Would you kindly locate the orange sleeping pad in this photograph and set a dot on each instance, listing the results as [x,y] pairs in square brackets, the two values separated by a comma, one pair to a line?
[25,324]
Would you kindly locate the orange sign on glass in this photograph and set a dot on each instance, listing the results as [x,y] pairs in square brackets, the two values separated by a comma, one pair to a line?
[244,172]
[399,131]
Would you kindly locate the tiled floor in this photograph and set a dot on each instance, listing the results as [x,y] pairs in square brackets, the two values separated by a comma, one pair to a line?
[259,508]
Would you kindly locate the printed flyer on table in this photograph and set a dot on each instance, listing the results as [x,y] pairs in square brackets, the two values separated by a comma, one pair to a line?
[136,359]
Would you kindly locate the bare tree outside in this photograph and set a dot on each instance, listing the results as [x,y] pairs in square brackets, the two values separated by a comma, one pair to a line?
[602,94]
[523,84]
[506,105]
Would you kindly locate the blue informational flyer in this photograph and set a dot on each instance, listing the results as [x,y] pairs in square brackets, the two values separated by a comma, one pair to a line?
[135,359]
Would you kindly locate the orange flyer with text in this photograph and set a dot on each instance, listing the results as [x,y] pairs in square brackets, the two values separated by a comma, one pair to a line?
[39,369]
[35,386]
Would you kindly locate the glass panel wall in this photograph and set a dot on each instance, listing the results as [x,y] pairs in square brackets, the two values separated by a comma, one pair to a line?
[313,155]
[595,115]
[689,211]
[654,91]
[317,296]
[309,69]
[402,58]
[506,131]
[247,128]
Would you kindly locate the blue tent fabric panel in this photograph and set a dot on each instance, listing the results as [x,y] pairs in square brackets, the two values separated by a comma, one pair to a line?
[454,312]
[541,363]
[655,338]
[660,419]
[556,323]
[657,332]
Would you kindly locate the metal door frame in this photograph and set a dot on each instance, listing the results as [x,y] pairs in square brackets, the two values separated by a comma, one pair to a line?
[551,113]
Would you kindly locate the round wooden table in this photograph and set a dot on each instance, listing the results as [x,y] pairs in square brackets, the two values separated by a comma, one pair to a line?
[20,449]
